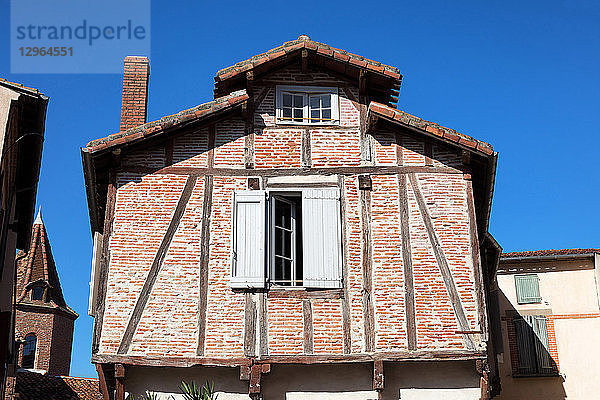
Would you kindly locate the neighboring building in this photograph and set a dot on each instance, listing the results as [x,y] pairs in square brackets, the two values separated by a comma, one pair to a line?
[550,310]
[44,329]
[298,237]
[22,119]
[44,322]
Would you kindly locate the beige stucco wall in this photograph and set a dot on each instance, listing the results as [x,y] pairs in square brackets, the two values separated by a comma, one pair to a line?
[414,381]
[566,287]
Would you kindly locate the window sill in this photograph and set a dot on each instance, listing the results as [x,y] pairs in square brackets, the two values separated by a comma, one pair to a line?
[305,125]
[304,293]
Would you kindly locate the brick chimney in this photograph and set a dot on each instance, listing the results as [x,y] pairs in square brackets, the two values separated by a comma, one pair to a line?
[135,92]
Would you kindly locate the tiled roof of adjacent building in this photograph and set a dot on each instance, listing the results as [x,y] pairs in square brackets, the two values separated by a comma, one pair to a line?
[550,252]
[432,128]
[19,86]
[155,127]
[304,42]
[35,386]
[37,266]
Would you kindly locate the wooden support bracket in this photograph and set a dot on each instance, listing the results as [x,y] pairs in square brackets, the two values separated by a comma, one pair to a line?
[378,376]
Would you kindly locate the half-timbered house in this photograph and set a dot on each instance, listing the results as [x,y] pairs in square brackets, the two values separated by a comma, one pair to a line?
[298,237]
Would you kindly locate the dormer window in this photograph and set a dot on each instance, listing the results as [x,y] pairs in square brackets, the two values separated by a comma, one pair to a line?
[37,292]
[307,105]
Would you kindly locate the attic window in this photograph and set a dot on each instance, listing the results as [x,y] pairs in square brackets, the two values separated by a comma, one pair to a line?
[307,105]
[37,293]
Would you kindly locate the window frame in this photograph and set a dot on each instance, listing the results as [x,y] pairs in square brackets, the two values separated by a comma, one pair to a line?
[272,198]
[306,92]
[32,354]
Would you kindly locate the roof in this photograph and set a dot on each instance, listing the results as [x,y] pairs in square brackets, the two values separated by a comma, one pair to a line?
[37,265]
[304,42]
[340,61]
[20,87]
[431,128]
[550,253]
[35,386]
[159,126]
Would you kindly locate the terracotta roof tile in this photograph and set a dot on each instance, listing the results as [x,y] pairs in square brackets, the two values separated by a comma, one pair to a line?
[35,386]
[549,252]
[19,86]
[303,42]
[430,127]
[152,128]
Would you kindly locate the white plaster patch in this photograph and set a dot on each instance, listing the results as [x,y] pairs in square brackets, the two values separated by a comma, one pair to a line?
[436,394]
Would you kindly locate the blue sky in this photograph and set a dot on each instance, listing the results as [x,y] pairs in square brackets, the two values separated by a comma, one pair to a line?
[522,76]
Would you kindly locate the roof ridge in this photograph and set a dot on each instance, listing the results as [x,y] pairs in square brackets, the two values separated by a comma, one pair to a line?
[304,42]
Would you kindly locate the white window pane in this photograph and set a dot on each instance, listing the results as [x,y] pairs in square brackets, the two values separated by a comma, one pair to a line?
[287,112]
[326,101]
[298,114]
[315,114]
[327,114]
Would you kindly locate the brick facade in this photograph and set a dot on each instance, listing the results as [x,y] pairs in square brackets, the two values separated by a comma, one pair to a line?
[193,312]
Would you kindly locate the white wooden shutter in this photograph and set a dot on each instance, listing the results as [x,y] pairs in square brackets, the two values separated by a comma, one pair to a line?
[321,238]
[248,266]
[542,350]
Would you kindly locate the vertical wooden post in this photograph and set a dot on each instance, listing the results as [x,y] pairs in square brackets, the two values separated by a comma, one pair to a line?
[120,382]
[102,382]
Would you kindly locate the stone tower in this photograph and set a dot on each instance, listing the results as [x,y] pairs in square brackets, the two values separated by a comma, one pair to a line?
[44,322]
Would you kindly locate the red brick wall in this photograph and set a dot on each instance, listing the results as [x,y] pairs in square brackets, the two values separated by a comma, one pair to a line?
[169,324]
[54,339]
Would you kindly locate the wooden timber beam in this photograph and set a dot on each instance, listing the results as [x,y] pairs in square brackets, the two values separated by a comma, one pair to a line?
[204,260]
[156,265]
[409,287]
[120,382]
[395,356]
[367,268]
[102,382]
[273,172]
[459,312]
[256,371]
[111,197]
[347,324]
[378,376]
[250,326]
[308,326]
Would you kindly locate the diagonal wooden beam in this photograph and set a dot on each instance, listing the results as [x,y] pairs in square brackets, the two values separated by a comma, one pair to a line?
[409,288]
[156,265]
[442,263]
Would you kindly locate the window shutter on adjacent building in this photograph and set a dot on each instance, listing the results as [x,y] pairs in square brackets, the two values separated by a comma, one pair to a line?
[528,289]
[321,232]
[532,344]
[542,350]
[248,266]
[525,345]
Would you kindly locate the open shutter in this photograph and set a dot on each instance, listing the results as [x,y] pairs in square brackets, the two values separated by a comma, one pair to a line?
[525,345]
[321,238]
[528,289]
[248,266]
[542,350]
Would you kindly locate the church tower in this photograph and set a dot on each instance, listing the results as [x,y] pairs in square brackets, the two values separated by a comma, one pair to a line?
[44,322]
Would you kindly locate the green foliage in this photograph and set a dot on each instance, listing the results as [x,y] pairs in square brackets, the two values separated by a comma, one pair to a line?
[148,396]
[191,391]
